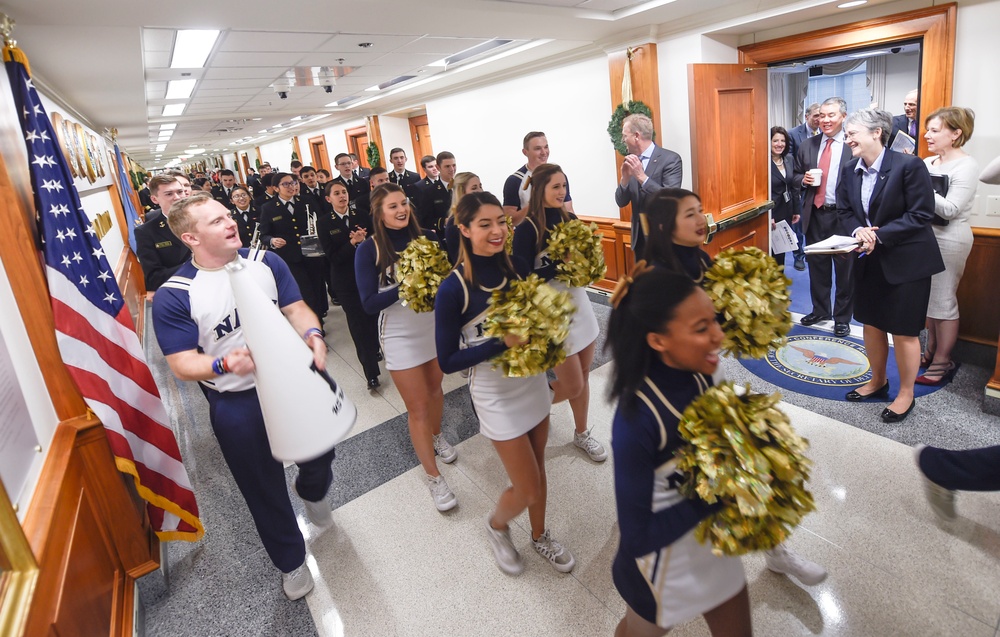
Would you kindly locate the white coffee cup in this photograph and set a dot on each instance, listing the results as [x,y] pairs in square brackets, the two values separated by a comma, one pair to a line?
[817,175]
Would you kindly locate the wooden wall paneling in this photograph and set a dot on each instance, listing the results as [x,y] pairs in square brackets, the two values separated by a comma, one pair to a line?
[934,26]
[645,88]
[609,244]
[978,306]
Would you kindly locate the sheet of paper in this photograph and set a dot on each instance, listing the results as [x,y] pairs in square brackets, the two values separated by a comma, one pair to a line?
[783,238]
[903,143]
[837,244]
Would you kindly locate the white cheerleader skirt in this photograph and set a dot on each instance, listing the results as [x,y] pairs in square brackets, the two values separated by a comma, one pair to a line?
[406,337]
[583,329]
[507,407]
[679,582]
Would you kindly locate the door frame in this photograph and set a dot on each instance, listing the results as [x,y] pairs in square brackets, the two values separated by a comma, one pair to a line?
[934,27]
[417,120]
[318,153]
[353,137]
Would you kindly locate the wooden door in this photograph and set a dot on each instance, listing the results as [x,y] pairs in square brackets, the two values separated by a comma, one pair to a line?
[357,143]
[730,151]
[317,149]
[246,166]
[420,135]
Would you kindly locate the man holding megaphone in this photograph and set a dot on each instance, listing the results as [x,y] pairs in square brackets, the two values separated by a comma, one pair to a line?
[199,330]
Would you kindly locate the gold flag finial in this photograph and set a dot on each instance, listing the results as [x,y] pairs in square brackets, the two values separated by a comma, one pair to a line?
[7,29]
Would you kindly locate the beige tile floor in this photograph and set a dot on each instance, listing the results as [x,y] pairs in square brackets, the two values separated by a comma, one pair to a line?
[393,565]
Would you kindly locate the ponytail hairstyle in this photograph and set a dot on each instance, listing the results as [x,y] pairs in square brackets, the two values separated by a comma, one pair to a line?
[386,254]
[465,214]
[659,220]
[457,187]
[643,303]
[539,179]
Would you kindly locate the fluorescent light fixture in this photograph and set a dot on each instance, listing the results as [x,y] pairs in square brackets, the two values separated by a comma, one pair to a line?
[256,119]
[161,147]
[262,132]
[180,89]
[868,54]
[191,48]
[173,110]
[195,151]
[168,126]
[296,119]
[853,3]
[163,138]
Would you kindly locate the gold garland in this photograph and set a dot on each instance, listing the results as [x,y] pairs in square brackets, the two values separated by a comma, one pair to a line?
[744,454]
[422,267]
[508,244]
[750,290]
[534,310]
[578,246]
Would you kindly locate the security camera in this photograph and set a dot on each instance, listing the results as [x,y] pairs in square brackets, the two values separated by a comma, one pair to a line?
[896,49]
[281,87]
[328,89]
[283,95]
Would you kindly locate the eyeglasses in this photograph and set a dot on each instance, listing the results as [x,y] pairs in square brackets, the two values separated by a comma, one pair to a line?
[240,195]
[345,164]
[287,184]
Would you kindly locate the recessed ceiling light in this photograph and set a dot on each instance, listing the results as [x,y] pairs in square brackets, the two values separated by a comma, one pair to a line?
[853,3]
[173,110]
[191,48]
[180,89]
[261,132]
[168,126]
[161,147]
[256,119]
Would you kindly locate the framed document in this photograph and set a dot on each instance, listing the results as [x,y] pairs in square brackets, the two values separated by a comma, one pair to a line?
[59,124]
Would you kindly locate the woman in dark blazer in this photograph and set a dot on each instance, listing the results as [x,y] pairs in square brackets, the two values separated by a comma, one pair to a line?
[783,192]
[885,200]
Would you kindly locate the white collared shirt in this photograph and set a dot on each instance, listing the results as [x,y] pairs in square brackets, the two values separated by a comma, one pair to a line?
[833,176]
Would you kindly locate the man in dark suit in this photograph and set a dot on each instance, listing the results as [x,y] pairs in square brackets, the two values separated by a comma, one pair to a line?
[435,197]
[160,253]
[805,130]
[646,169]
[253,180]
[223,192]
[829,153]
[147,203]
[357,189]
[340,232]
[311,192]
[376,177]
[359,171]
[406,179]
[907,122]
[283,222]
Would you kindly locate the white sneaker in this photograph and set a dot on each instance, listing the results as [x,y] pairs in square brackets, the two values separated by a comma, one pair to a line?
[319,513]
[507,557]
[782,560]
[297,583]
[589,444]
[444,450]
[444,499]
[558,556]
[942,500]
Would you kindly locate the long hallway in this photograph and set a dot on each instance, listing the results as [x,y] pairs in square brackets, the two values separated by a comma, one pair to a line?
[392,565]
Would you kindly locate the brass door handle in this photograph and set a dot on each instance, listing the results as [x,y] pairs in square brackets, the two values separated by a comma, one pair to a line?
[715,227]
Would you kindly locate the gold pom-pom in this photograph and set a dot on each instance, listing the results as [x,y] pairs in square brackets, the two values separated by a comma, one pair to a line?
[579,248]
[750,290]
[534,310]
[422,267]
[508,244]
[744,454]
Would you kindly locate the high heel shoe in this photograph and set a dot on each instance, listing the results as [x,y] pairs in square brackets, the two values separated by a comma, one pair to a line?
[949,373]
[926,358]
[890,416]
[854,397]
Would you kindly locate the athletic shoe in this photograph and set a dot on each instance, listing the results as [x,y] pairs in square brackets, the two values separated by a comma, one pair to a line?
[297,583]
[444,499]
[507,557]
[942,500]
[444,449]
[589,444]
[782,560]
[558,556]
[319,513]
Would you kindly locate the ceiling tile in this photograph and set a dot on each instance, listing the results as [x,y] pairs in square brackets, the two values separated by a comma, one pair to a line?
[236,92]
[381,43]
[272,41]
[156,59]
[255,58]
[357,57]
[266,73]
[226,84]
[440,47]
[157,39]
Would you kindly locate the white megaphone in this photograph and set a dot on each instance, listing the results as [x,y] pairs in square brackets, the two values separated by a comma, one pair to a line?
[305,411]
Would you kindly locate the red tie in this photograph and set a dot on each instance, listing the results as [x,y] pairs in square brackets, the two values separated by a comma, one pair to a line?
[824,165]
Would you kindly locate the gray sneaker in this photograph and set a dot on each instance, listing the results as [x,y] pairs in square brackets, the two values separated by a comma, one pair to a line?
[297,583]
[444,450]
[942,500]
[508,559]
[319,513]
[589,444]
[783,560]
[558,556]
[444,499]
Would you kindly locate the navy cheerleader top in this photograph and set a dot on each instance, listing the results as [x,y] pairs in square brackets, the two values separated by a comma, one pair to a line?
[526,244]
[458,303]
[652,514]
[366,272]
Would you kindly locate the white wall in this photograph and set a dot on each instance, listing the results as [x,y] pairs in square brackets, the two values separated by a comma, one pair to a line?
[277,153]
[902,75]
[484,128]
[396,134]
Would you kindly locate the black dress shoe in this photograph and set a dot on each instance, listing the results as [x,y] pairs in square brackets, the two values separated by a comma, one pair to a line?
[812,319]
[380,357]
[841,329]
[889,415]
[373,383]
[800,264]
[854,397]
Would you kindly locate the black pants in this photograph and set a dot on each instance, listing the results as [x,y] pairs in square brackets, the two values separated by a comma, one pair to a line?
[822,268]
[970,470]
[239,427]
[310,275]
[363,328]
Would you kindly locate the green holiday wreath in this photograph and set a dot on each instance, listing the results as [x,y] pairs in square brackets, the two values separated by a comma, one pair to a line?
[615,125]
[374,157]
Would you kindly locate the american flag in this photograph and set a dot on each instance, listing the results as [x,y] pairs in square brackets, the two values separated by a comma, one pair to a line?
[94,331]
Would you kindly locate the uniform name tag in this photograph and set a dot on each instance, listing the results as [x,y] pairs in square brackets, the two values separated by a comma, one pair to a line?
[278,218]
[164,244]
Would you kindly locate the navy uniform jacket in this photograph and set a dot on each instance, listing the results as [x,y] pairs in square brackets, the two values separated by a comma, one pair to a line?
[335,237]
[902,206]
[219,194]
[434,205]
[410,183]
[358,192]
[145,200]
[246,225]
[315,198]
[160,253]
[278,222]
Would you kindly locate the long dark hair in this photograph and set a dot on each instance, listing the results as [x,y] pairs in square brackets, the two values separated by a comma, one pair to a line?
[540,178]
[649,304]
[465,213]
[387,255]
[661,219]
[784,133]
